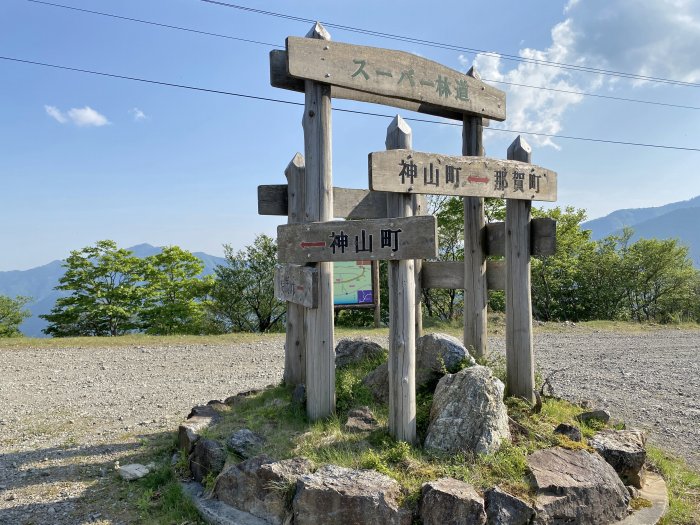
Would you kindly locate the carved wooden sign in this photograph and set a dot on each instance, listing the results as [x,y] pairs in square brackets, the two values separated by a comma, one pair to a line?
[297,284]
[371,239]
[407,171]
[390,74]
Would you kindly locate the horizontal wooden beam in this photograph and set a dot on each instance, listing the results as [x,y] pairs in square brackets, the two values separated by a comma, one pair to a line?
[280,78]
[408,171]
[347,203]
[450,275]
[543,237]
[367,239]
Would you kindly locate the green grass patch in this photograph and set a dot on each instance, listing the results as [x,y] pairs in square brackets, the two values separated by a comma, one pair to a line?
[683,487]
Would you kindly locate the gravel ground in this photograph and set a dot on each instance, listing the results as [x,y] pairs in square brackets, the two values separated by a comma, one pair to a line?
[67,415]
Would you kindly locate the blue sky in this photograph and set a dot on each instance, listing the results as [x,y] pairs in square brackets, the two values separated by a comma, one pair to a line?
[84,158]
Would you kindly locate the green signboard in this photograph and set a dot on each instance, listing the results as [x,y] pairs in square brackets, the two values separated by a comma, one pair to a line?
[352,283]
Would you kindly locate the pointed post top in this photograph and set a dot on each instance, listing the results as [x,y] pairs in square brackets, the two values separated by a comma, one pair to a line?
[399,134]
[520,150]
[319,32]
[297,163]
[473,73]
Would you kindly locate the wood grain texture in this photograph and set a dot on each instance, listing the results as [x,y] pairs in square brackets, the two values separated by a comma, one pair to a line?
[295,341]
[296,284]
[402,313]
[460,176]
[318,206]
[280,78]
[543,237]
[520,362]
[347,203]
[475,283]
[392,74]
[408,238]
[450,275]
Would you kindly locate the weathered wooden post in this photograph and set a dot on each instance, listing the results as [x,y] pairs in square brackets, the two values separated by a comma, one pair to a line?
[519,354]
[418,205]
[295,342]
[475,286]
[402,311]
[320,351]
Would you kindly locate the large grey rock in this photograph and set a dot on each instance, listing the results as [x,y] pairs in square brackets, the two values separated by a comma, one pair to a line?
[189,431]
[570,431]
[448,501]
[338,496]
[133,471]
[624,450]
[351,351]
[575,486]
[598,415]
[245,442]
[505,509]
[261,486]
[217,512]
[436,355]
[361,420]
[468,413]
[208,457]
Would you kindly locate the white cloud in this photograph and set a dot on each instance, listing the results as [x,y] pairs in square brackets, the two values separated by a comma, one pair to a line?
[138,114]
[657,39]
[87,117]
[55,113]
[83,117]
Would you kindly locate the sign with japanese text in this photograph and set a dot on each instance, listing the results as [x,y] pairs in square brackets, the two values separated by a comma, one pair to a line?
[406,171]
[371,239]
[392,74]
[297,284]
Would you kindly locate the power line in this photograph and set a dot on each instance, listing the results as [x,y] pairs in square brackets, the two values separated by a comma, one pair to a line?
[357,112]
[454,47]
[239,39]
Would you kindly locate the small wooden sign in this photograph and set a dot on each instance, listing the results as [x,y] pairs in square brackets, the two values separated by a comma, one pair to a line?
[297,284]
[347,203]
[407,171]
[392,74]
[371,239]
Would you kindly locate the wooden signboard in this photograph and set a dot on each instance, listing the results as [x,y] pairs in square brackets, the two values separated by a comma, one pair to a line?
[377,239]
[450,275]
[392,75]
[297,284]
[406,171]
[280,78]
[347,203]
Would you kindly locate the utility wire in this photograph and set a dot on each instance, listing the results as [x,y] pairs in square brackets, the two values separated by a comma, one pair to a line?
[454,47]
[231,37]
[356,112]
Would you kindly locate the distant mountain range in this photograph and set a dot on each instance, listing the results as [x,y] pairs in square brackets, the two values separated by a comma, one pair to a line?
[38,283]
[678,220]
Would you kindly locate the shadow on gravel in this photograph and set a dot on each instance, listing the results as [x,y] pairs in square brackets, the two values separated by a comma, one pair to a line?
[83,488]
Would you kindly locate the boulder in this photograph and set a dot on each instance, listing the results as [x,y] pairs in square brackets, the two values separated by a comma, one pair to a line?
[208,410]
[570,431]
[438,354]
[624,450]
[351,351]
[576,486]
[600,415]
[240,397]
[261,486]
[336,496]
[468,413]
[245,442]
[449,500]
[378,383]
[133,471]
[361,420]
[505,509]
[208,457]
[188,432]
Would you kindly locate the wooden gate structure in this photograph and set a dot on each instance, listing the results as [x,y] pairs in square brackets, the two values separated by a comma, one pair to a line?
[386,222]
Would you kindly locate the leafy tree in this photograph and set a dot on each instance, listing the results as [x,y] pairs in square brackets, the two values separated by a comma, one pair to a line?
[12,313]
[174,294]
[105,294]
[243,298]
